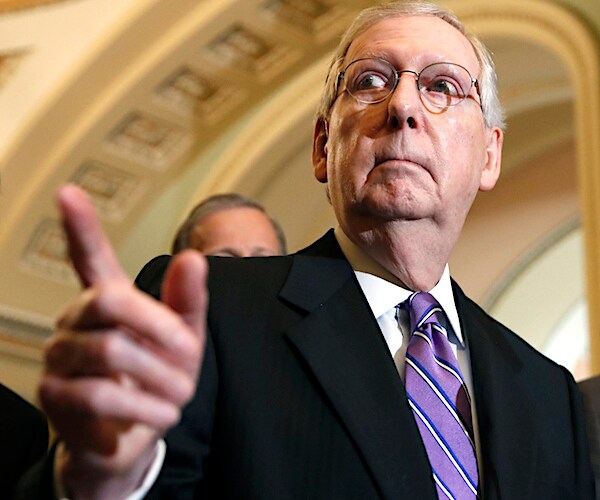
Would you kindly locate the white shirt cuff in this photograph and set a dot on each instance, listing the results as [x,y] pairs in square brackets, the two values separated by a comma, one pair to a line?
[149,479]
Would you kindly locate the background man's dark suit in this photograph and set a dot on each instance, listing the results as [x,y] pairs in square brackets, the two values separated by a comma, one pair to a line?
[299,397]
[23,438]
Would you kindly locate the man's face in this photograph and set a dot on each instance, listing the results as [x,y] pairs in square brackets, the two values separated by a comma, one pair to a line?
[236,232]
[397,160]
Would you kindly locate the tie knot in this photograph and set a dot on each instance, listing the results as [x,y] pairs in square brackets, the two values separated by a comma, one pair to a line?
[423,309]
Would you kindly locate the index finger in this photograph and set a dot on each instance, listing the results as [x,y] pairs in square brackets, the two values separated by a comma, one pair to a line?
[90,250]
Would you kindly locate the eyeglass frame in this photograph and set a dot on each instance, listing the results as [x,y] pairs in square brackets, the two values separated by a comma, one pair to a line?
[474,81]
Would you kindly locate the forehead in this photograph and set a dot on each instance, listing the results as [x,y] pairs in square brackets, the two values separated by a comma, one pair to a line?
[410,41]
[233,225]
[231,218]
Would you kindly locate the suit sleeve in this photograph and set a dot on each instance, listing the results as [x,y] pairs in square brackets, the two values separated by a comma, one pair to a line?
[151,276]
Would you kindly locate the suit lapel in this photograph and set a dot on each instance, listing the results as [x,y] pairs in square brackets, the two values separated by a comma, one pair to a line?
[507,422]
[344,348]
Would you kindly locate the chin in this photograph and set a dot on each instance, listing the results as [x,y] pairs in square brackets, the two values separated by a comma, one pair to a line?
[394,206]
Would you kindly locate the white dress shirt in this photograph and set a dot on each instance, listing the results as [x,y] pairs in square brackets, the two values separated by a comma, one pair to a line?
[383,293]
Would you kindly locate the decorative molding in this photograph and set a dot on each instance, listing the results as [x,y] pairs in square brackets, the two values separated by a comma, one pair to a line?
[46,253]
[310,16]
[23,327]
[113,191]
[148,141]
[241,48]
[194,95]
[277,122]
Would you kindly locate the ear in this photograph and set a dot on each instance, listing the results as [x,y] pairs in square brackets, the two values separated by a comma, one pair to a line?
[491,169]
[319,150]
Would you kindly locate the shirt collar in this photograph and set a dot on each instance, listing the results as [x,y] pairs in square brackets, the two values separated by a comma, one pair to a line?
[383,290]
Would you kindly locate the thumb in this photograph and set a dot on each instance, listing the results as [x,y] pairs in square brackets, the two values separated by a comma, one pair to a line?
[90,250]
[184,288]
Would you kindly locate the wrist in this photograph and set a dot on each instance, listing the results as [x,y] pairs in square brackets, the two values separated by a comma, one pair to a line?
[93,477]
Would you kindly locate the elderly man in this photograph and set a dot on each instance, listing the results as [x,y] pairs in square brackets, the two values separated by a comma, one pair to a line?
[325,374]
[230,225]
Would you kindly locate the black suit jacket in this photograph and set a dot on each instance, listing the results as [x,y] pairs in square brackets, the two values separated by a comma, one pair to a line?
[590,389]
[299,396]
[23,438]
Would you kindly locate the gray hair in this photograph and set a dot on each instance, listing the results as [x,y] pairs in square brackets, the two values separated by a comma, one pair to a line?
[493,113]
[215,204]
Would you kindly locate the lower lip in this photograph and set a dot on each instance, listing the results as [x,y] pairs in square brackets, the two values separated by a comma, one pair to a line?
[398,164]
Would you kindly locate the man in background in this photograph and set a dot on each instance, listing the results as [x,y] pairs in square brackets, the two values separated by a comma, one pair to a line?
[230,225]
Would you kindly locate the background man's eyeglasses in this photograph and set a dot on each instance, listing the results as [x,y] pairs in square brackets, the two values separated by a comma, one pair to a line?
[443,84]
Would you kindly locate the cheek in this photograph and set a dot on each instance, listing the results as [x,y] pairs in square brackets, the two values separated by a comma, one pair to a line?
[349,152]
[464,159]
[353,120]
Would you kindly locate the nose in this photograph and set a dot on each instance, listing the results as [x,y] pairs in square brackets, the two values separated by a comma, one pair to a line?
[404,106]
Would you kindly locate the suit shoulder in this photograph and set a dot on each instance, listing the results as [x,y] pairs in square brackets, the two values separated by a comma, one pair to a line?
[150,278]
[14,405]
[227,273]
[21,421]
[503,336]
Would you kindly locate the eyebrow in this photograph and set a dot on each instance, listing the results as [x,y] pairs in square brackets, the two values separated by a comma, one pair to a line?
[428,57]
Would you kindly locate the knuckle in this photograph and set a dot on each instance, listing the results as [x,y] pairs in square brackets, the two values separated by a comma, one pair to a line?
[106,297]
[52,396]
[100,299]
[57,353]
[106,348]
[92,401]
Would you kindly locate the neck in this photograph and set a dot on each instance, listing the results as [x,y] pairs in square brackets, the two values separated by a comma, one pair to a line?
[412,251]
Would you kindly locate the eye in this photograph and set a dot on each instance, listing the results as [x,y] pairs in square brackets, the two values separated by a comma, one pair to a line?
[443,85]
[370,81]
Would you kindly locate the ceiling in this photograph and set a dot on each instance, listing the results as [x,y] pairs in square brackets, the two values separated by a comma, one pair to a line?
[151,105]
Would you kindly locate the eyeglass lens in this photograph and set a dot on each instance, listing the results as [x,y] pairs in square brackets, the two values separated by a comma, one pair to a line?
[441,84]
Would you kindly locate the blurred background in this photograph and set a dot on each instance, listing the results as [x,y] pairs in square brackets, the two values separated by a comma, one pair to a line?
[151,105]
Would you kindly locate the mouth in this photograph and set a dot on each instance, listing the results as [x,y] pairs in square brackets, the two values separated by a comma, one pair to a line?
[398,162]
[393,166]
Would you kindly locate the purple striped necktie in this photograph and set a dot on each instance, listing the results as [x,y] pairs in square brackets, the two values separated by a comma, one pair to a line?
[439,400]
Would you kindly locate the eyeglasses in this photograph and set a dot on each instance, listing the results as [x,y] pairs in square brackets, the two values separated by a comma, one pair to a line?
[372,80]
